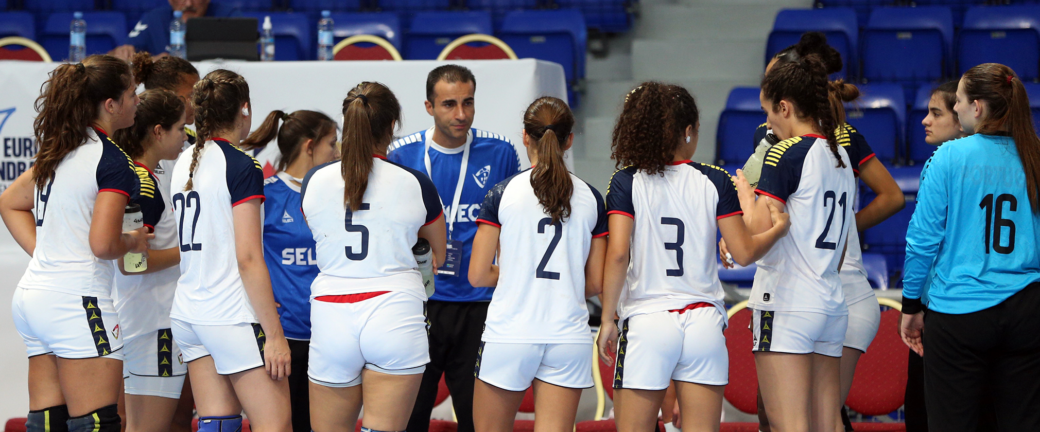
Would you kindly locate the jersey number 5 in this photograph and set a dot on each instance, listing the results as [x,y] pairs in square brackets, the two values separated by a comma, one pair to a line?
[821,242]
[183,202]
[350,226]
[996,209]
[540,272]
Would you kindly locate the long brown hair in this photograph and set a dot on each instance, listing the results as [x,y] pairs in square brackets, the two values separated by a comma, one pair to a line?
[1008,112]
[803,82]
[370,112]
[217,99]
[68,105]
[653,119]
[816,43]
[296,129]
[548,122]
[157,107]
[167,72]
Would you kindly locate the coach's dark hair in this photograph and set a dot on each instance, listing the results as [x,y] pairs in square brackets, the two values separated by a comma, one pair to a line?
[804,84]
[296,129]
[157,107]
[450,74]
[652,122]
[370,112]
[68,106]
[548,122]
[948,92]
[168,72]
[218,100]
[1008,103]
[815,43]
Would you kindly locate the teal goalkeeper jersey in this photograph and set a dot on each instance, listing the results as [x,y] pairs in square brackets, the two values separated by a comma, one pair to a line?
[975,225]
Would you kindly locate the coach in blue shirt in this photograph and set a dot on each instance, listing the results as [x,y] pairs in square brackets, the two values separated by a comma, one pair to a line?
[976,223]
[464,163]
[152,31]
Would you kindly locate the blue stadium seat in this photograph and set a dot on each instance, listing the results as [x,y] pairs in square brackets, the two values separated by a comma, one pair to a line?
[430,32]
[908,45]
[42,9]
[737,123]
[135,8]
[919,150]
[411,7]
[839,24]
[1009,35]
[879,114]
[293,38]
[889,237]
[17,24]
[739,276]
[250,5]
[554,35]
[105,30]
[862,7]
[386,25]
[313,8]
[608,16]
[1033,90]
[877,270]
[499,8]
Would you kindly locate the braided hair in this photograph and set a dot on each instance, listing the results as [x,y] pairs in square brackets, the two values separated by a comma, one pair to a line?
[804,84]
[217,100]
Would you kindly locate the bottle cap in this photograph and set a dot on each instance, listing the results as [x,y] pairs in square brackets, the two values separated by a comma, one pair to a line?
[177,14]
[133,208]
[421,247]
[267,23]
[325,14]
[77,15]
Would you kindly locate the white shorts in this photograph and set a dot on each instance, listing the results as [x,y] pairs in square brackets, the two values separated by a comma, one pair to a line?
[798,332]
[153,365]
[514,366]
[864,320]
[66,325]
[235,347]
[687,346]
[386,333]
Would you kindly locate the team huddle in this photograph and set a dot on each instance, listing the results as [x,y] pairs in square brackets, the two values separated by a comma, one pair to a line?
[301,298]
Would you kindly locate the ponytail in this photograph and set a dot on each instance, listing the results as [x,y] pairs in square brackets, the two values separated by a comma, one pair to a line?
[167,72]
[296,129]
[370,112]
[267,131]
[824,112]
[548,122]
[803,83]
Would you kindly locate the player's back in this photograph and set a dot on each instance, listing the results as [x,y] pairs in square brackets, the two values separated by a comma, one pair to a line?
[540,296]
[800,273]
[369,249]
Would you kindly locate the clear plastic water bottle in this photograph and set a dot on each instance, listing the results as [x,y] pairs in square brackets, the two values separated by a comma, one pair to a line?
[267,41]
[77,38]
[177,28]
[325,36]
[133,219]
[424,258]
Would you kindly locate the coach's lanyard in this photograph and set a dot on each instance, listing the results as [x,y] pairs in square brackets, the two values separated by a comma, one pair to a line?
[458,187]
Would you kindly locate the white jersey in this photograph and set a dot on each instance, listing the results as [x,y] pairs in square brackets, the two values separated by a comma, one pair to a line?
[144,301]
[673,247]
[370,249]
[63,260]
[800,272]
[540,297]
[210,289]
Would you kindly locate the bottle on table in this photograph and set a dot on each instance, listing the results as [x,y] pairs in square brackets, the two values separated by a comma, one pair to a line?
[177,29]
[325,36]
[77,38]
[267,41]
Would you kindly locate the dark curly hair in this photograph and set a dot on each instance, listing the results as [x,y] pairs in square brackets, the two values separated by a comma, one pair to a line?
[803,83]
[653,120]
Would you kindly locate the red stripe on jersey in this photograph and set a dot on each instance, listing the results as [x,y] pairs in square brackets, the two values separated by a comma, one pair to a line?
[116,191]
[815,136]
[601,235]
[485,221]
[680,162]
[260,197]
[151,229]
[621,213]
[350,298]
[692,306]
[869,157]
[762,192]
[855,172]
[379,156]
[427,223]
[738,212]
[98,129]
[220,139]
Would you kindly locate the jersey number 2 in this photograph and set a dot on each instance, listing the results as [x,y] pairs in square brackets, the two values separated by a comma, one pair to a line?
[821,242]
[182,201]
[540,272]
[361,229]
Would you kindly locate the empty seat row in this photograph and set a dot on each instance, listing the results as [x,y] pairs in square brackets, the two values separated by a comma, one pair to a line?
[958,7]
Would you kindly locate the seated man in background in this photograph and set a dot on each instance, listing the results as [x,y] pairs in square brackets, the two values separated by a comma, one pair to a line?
[152,31]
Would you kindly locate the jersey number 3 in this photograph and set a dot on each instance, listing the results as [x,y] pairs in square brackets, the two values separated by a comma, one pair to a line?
[182,202]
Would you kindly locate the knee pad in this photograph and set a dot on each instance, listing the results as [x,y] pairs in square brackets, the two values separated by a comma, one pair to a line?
[220,424]
[101,420]
[50,419]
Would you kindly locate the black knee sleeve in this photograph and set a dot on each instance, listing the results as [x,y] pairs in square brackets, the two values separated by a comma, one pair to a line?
[101,420]
[50,419]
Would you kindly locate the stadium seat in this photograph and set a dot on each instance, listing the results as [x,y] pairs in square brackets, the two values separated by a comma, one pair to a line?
[918,149]
[19,48]
[313,8]
[839,24]
[558,36]
[409,8]
[477,47]
[1033,90]
[19,24]
[499,8]
[737,123]
[47,7]
[1009,35]
[383,24]
[251,5]
[889,236]
[879,114]
[292,34]
[430,32]
[742,390]
[365,47]
[908,45]
[608,16]
[880,381]
[135,8]
[877,270]
[105,30]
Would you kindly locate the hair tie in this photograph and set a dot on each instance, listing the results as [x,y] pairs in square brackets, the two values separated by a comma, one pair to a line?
[80,67]
[364,99]
[285,117]
[1010,77]
[548,128]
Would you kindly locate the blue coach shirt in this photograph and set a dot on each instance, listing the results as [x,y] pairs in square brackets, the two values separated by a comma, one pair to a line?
[152,32]
[289,252]
[975,225]
[492,159]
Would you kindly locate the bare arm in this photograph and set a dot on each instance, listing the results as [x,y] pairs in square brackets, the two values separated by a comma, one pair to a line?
[747,248]
[482,270]
[107,239]
[435,233]
[761,220]
[16,204]
[615,269]
[889,200]
[594,267]
[746,195]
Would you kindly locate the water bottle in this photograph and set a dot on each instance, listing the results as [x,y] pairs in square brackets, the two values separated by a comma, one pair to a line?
[424,258]
[267,41]
[325,36]
[77,38]
[177,28]
[133,219]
